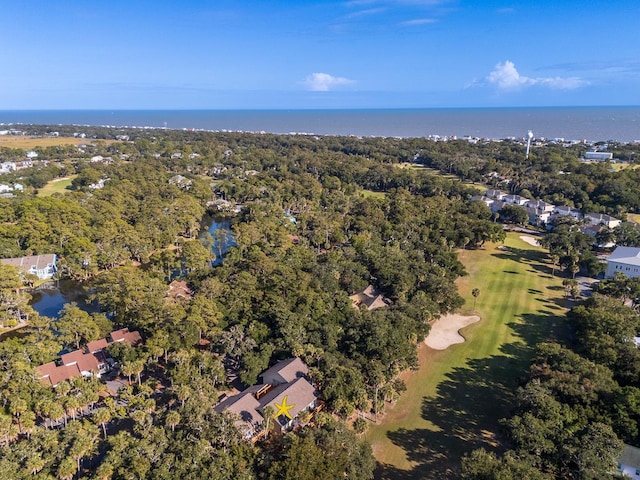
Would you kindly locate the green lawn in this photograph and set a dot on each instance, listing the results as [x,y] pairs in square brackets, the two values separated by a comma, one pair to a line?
[57,185]
[372,194]
[455,399]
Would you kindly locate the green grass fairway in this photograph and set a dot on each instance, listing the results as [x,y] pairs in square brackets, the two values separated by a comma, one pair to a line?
[57,185]
[372,194]
[455,399]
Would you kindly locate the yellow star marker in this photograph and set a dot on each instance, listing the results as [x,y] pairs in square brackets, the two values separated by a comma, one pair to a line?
[283,408]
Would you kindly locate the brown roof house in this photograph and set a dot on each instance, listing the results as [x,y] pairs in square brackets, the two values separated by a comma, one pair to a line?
[87,362]
[285,389]
[178,291]
[370,298]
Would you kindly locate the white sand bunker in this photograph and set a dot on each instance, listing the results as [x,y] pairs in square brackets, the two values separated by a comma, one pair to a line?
[530,240]
[445,331]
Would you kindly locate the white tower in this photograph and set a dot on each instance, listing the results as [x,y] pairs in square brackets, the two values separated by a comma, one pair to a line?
[529,137]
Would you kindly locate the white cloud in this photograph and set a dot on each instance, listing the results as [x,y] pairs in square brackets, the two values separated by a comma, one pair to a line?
[505,76]
[323,82]
[418,22]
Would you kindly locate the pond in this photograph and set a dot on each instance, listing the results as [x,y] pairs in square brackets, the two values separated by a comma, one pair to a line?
[220,230]
[50,298]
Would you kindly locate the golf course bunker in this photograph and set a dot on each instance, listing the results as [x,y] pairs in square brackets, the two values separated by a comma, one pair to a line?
[530,240]
[445,331]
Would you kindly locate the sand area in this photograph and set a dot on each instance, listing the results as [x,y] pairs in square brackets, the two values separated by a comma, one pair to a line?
[445,331]
[530,240]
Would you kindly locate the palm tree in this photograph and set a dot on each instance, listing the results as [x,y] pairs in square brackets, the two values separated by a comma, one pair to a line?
[555,259]
[172,419]
[267,413]
[575,268]
[102,416]
[475,292]
[127,369]
[67,469]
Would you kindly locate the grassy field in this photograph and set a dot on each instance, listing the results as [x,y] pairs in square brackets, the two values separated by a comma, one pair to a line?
[623,166]
[372,194]
[32,142]
[57,185]
[633,217]
[455,399]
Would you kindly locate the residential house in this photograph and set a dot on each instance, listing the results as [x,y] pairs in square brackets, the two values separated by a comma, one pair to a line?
[488,201]
[629,462]
[370,298]
[286,390]
[495,194]
[593,231]
[288,400]
[91,361]
[178,291]
[43,266]
[124,335]
[515,200]
[562,210]
[602,219]
[53,374]
[624,260]
[6,167]
[540,206]
[285,371]
[537,217]
[246,407]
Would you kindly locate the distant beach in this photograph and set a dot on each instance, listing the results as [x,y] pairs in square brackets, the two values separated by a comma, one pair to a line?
[569,123]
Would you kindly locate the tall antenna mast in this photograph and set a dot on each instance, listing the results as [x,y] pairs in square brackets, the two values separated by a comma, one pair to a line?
[529,137]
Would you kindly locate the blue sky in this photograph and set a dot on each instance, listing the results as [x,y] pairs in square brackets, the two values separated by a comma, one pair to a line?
[318,54]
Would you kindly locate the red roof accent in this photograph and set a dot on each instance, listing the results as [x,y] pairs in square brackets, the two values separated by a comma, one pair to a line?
[124,335]
[97,345]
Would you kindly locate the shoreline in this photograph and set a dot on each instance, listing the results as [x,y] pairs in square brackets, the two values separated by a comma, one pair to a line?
[587,123]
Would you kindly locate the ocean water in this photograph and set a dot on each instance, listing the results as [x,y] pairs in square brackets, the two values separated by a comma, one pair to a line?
[570,123]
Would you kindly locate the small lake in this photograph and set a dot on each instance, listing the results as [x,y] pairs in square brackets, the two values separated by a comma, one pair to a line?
[49,299]
[220,230]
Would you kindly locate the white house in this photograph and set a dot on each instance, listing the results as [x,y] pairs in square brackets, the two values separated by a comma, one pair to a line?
[629,462]
[625,260]
[602,219]
[6,167]
[537,217]
[495,194]
[515,200]
[562,210]
[481,198]
[540,206]
[43,266]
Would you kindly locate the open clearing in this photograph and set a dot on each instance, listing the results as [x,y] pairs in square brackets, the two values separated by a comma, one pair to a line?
[32,142]
[457,396]
[57,185]
[372,194]
[633,217]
